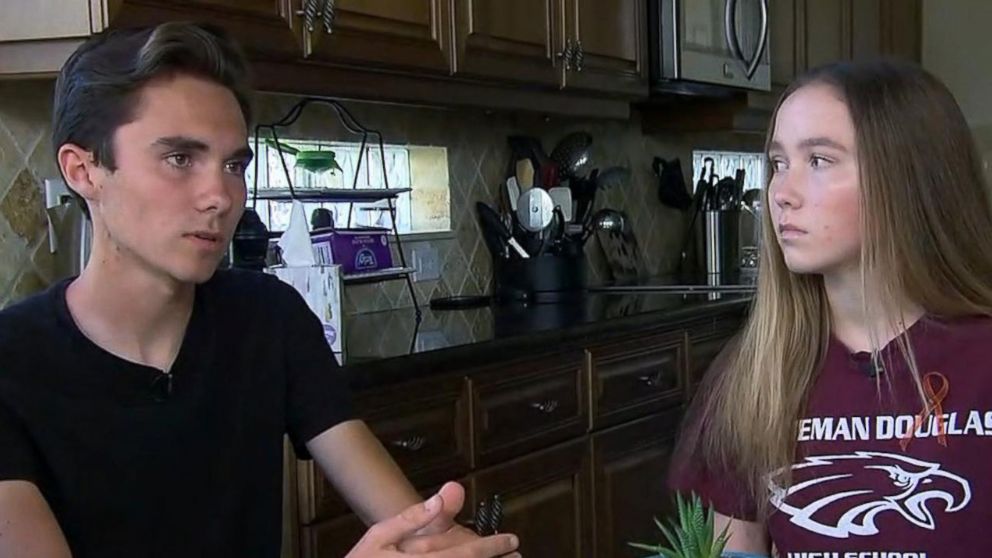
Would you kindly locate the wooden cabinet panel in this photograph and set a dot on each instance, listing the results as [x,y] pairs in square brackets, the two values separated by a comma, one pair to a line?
[528,405]
[611,36]
[268,29]
[630,467]
[332,539]
[513,40]
[20,20]
[393,34]
[782,40]
[546,499]
[425,428]
[827,32]
[635,377]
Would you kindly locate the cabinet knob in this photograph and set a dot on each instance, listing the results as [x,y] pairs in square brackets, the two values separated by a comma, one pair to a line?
[567,55]
[328,16]
[580,56]
[547,406]
[309,13]
[413,443]
[488,516]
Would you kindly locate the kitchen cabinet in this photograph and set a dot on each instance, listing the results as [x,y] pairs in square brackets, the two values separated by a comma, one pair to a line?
[411,35]
[268,29]
[518,41]
[609,42]
[630,467]
[37,36]
[546,500]
[572,440]
[809,33]
[596,45]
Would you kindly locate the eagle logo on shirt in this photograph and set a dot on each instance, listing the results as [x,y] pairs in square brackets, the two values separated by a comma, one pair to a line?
[841,496]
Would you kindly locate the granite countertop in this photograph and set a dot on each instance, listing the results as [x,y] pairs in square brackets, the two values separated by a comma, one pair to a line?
[384,347]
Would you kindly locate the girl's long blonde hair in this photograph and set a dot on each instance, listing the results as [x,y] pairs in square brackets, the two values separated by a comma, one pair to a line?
[926,222]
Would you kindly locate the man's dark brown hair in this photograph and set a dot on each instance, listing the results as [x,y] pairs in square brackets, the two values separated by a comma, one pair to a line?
[98,88]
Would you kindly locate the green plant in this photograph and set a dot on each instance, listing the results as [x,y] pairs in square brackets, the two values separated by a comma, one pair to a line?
[691,536]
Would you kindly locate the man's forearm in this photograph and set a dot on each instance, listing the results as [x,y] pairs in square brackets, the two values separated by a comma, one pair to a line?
[362,470]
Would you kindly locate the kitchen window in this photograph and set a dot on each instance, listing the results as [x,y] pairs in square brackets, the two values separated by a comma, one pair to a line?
[425,209]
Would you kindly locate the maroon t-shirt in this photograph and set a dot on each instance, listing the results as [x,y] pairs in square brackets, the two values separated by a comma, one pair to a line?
[862,487]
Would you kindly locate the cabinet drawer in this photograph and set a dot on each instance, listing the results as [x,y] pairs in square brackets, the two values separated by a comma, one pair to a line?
[635,377]
[528,405]
[425,428]
[704,346]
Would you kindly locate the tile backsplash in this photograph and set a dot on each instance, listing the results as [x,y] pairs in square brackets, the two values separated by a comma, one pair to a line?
[478,157]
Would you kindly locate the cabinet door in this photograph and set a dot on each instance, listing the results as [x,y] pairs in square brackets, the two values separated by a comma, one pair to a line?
[513,40]
[391,34]
[30,20]
[546,500]
[263,28]
[630,467]
[782,40]
[610,36]
[826,32]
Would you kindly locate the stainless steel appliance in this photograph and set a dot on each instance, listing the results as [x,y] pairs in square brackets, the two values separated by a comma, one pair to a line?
[709,42]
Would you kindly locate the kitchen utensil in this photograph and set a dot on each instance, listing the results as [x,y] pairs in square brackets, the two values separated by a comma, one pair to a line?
[671,183]
[739,185]
[608,220]
[512,193]
[572,154]
[613,176]
[535,209]
[490,220]
[321,218]
[551,235]
[528,147]
[562,198]
[549,177]
[726,190]
[584,195]
[525,174]
[751,201]
[622,252]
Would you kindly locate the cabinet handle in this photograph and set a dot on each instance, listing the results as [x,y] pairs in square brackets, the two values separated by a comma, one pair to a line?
[488,516]
[413,443]
[309,13]
[328,16]
[580,55]
[547,406]
[567,55]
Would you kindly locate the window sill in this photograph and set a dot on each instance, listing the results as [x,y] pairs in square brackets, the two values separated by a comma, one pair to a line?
[424,236]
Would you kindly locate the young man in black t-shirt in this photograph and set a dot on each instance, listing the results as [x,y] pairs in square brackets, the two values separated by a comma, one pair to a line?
[143,404]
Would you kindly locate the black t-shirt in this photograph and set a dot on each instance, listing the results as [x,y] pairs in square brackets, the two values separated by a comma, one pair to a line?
[132,469]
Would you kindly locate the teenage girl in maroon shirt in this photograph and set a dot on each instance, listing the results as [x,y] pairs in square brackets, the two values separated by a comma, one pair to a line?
[853,415]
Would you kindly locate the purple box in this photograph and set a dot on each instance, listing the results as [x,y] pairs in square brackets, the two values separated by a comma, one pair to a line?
[355,250]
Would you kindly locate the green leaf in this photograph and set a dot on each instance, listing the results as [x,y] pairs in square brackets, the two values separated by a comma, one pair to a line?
[287,149]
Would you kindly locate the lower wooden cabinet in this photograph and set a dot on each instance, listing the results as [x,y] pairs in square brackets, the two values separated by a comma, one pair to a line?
[546,500]
[630,467]
[572,445]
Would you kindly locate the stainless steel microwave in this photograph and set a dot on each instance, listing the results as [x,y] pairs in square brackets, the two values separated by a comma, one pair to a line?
[709,42]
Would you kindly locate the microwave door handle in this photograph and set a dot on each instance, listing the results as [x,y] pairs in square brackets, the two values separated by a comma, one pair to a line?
[730,30]
[762,41]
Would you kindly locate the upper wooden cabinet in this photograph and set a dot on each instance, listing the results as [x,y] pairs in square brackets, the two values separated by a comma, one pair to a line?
[515,40]
[609,38]
[264,28]
[394,34]
[37,36]
[809,33]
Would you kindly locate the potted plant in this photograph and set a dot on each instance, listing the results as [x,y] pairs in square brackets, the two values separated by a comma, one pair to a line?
[690,535]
